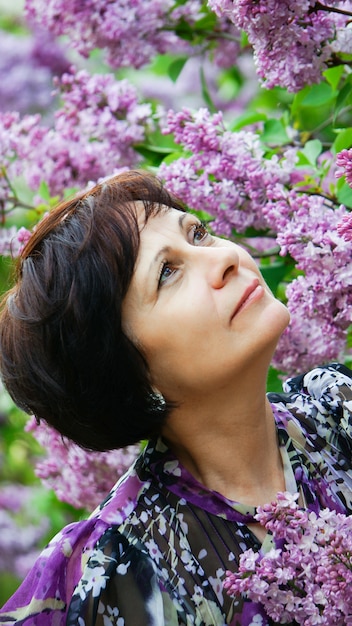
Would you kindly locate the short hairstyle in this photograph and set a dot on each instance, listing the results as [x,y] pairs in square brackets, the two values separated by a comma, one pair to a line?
[63,354]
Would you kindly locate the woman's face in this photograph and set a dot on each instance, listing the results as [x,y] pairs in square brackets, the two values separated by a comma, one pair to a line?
[197,306]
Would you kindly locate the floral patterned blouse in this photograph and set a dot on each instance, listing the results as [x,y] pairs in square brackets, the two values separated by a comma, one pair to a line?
[156,551]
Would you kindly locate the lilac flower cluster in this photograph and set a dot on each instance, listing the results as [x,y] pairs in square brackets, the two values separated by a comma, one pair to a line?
[17,137]
[20,532]
[306,579]
[224,173]
[93,133]
[320,300]
[131,34]
[344,228]
[344,161]
[293,42]
[79,477]
[27,66]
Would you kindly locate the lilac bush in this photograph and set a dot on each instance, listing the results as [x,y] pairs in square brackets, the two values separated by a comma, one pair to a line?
[320,300]
[224,173]
[293,42]
[131,33]
[306,577]
[94,132]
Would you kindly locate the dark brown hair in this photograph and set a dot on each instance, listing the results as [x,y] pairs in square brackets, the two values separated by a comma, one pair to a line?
[63,355]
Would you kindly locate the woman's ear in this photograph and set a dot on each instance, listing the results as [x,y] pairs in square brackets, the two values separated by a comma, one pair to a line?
[158,396]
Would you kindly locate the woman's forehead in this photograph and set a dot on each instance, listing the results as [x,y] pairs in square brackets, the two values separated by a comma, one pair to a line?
[145,214]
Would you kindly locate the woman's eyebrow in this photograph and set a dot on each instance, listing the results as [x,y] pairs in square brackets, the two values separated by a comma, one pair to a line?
[165,250]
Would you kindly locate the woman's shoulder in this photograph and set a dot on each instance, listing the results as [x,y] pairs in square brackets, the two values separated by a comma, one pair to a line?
[321,400]
[331,382]
[46,593]
[53,577]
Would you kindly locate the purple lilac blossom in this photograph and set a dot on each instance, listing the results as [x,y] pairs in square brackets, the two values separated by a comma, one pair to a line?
[93,133]
[79,477]
[344,228]
[307,575]
[320,301]
[225,173]
[17,137]
[293,42]
[12,240]
[344,161]
[131,34]
[27,66]
[21,532]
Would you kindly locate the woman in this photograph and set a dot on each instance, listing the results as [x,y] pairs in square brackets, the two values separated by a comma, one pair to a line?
[129,321]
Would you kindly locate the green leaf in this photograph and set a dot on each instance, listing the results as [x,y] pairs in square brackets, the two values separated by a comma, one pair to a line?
[343,140]
[174,156]
[274,382]
[344,193]
[273,274]
[207,22]
[175,68]
[205,93]
[333,75]
[250,117]
[154,155]
[44,191]
[297,101]
[318,95]
[342,98]
[184,30]
[312,150]
[274,133]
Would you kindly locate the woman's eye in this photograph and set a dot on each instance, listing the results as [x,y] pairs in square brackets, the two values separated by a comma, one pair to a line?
[166,271]
[200,233]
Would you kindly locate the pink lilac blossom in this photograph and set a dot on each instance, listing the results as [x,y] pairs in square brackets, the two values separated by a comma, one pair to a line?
[320,301]
[12,240]
[21,531]
[344,228]
[93,133]
[344,161]
[224,173]
[15,134]
[293,42]
[130,33]
[306,577]
[79,477]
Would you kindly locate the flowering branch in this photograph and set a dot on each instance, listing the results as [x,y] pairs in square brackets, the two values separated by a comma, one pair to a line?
[322,7]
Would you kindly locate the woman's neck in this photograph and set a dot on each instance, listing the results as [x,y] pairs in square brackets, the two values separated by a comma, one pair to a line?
[231,447]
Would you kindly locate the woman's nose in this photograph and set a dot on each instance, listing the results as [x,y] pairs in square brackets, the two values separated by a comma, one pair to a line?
[219,264]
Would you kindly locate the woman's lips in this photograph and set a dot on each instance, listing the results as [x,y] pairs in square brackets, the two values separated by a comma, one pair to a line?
[253,292]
